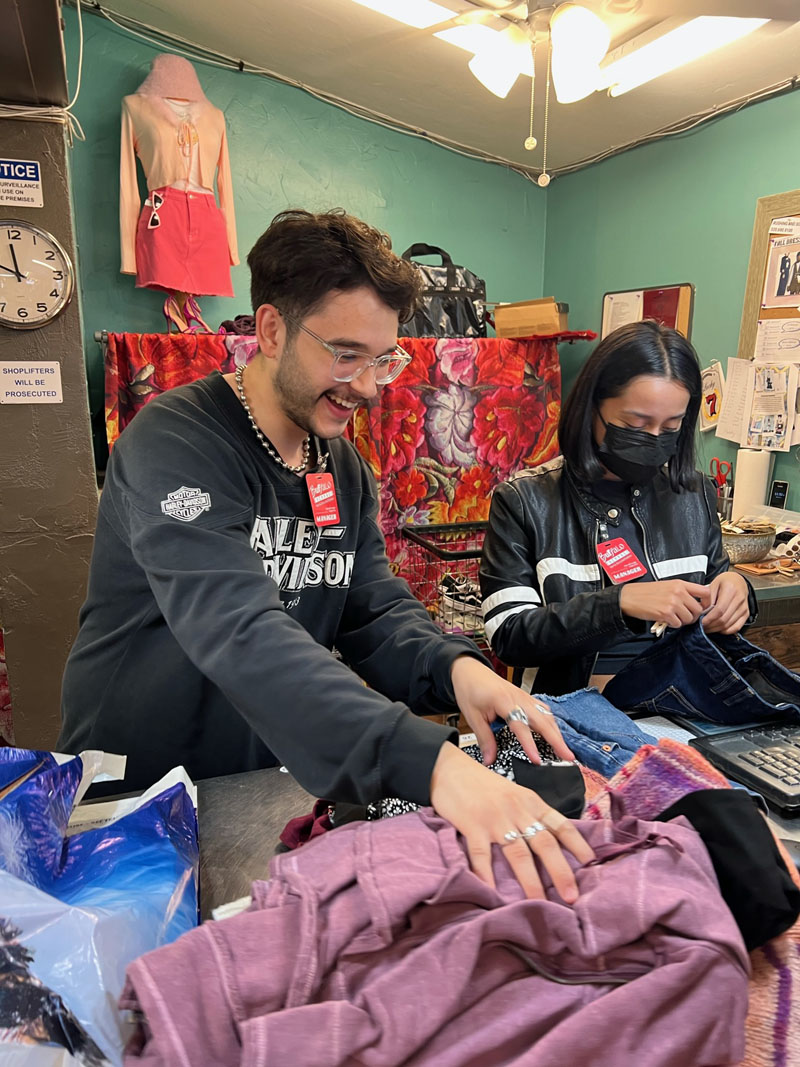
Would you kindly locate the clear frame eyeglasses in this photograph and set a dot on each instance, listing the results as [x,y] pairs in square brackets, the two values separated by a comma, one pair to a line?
[349,364]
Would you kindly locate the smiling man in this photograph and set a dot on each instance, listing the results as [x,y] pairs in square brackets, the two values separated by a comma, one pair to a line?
[237,544]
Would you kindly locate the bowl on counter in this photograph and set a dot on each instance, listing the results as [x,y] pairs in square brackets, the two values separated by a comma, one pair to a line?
[748,545]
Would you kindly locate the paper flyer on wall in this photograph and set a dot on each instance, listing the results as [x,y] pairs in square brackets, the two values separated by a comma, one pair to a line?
[731,422]
[782,282]
[778,340]
[713,378]
[759,404]
[620,309]
[772,406]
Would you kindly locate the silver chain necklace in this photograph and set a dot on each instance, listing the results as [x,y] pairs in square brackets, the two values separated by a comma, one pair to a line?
[300,467]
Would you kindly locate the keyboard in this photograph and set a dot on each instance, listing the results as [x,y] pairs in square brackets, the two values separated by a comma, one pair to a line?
[765,758]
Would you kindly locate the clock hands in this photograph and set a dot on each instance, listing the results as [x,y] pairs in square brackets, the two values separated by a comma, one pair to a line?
[16,265]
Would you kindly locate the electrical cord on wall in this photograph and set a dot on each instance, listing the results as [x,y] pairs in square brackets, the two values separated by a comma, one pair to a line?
[48,113]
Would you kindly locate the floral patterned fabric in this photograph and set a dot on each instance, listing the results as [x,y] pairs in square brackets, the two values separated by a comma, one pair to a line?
[139,366]
[464,415]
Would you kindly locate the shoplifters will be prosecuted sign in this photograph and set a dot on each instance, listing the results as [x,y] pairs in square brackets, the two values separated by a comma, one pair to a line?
[21,183]
[30,383]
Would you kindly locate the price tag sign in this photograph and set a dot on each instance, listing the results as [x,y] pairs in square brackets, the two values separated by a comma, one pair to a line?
[619,561]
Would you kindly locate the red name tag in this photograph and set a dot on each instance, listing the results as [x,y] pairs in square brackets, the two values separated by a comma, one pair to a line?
[619,561]
[322,494]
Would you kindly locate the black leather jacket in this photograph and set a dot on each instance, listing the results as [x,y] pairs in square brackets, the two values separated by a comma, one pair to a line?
[546,602]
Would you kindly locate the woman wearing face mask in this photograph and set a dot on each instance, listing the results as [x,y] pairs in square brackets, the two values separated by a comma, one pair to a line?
[584,554]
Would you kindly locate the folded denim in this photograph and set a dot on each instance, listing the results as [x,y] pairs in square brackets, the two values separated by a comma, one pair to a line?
[719,677]
[601,736]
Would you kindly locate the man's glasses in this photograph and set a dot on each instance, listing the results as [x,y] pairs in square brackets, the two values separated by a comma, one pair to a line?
[348,364]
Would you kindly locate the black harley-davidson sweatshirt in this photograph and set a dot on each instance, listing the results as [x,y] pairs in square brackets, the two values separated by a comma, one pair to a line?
[214,603]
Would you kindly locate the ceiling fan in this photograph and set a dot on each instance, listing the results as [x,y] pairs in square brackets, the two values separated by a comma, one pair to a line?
[502,36]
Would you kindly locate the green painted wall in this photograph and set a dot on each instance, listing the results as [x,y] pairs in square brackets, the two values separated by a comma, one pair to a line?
[289,150]
[681,210]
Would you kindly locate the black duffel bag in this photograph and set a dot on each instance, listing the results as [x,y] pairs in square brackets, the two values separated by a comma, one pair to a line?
[453,301]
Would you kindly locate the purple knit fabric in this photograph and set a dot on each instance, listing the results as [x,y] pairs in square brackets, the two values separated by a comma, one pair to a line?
[376,945]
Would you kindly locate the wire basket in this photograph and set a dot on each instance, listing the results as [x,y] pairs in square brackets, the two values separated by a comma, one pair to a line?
[443,573]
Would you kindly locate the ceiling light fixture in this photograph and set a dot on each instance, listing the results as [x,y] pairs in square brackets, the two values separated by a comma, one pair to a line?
[500,64]
[417,13]
[580,41]
[671,50]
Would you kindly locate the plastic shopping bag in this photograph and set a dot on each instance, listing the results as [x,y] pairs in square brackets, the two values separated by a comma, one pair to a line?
[79,902]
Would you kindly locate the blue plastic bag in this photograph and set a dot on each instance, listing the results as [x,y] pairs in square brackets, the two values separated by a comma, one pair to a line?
[77,908]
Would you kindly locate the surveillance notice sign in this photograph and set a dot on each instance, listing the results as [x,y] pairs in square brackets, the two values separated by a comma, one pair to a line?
[21,183]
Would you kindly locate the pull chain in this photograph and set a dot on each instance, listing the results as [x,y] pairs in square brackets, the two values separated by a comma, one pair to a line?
[544,178]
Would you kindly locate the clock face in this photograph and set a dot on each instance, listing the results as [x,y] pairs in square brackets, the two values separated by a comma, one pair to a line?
[36,277]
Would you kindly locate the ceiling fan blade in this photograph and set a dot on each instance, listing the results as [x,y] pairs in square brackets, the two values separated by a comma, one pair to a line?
[744,9]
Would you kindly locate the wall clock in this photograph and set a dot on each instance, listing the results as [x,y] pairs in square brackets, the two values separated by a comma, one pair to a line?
[36,276]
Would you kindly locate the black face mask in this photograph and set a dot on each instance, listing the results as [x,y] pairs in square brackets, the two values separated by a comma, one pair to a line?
[634,455]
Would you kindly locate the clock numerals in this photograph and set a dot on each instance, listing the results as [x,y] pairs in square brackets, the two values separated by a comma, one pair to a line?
[49,256]
[14,235]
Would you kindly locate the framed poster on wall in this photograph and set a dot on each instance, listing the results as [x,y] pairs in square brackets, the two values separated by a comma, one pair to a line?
[671,305]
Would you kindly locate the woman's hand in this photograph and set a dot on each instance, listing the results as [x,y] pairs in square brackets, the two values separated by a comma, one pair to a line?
[674,602]
[730,608]
[483,696]
[485,807]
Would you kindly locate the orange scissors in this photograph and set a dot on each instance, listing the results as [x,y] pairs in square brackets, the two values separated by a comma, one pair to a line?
[720,469]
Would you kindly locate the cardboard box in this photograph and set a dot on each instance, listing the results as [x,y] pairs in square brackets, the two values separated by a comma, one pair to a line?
[530,318]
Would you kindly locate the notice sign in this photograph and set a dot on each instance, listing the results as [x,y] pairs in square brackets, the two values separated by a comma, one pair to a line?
[30,383]
[21,183]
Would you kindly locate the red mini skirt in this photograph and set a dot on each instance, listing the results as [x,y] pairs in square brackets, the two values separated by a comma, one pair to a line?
[182,244]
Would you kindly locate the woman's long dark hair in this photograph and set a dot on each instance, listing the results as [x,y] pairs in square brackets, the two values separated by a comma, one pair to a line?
[634,350]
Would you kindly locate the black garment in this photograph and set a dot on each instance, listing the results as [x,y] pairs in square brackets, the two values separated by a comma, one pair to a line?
[544,601]
[625,648]
[560,784]
[752,876]
[214,602]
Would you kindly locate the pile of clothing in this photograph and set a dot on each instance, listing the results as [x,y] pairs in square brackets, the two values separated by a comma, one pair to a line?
[375,944]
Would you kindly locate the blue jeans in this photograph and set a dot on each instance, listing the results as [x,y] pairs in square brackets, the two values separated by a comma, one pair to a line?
[719,677]
[601,736]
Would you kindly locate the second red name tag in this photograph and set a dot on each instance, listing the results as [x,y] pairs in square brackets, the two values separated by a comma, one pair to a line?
[322,493]
[619,561]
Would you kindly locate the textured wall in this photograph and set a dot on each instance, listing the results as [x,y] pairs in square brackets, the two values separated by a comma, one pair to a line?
[48,493]
[289,150]
[680,210]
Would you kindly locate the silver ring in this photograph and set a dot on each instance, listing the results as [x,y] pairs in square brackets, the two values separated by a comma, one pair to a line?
[543,710]
[518,715]
[534,829]
[513,835]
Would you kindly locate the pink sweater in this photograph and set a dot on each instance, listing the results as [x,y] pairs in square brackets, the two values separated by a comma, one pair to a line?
[148,133]
[375,944]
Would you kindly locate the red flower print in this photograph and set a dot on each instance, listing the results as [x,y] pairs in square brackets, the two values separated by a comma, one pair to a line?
[503,363]
[402,429]
[409,487]
[423,358]
[507,424]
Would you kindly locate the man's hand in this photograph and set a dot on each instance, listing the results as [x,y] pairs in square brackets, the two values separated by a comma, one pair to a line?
[730,608]
[674,602]
[484,807]
[483,696]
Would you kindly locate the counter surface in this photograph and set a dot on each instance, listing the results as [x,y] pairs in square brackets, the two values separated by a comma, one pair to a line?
[240,818]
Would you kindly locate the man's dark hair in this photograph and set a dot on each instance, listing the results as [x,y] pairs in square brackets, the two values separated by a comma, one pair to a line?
[302,257]
[639,348]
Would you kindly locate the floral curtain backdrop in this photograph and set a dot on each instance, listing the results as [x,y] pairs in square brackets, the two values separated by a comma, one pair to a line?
[463,416]
[139,366]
